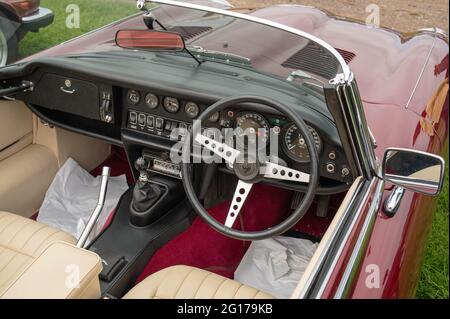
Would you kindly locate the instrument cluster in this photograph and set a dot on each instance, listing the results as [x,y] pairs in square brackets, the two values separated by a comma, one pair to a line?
[257,129]
[169,104]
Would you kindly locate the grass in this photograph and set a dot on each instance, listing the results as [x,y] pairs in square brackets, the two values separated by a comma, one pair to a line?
[433,281]
[94,14]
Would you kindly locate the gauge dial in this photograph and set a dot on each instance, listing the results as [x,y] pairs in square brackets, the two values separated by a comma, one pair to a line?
[192,110]
[171,104]
[295,144]
[151,100]
[214,118]
[254,126]
[134,97]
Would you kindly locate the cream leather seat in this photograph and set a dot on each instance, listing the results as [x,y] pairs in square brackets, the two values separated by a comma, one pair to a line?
[183,282]
[22,240]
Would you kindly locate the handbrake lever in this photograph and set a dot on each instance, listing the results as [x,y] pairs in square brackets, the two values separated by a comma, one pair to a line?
[98,209]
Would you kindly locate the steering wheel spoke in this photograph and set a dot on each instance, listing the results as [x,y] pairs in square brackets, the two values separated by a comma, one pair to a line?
[240,195]
[227,153]
[276,171]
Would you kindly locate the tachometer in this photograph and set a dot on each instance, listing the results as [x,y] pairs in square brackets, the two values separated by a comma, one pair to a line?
[254,126]
[295,144]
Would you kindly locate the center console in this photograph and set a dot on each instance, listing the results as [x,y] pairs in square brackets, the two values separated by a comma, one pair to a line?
[132,237]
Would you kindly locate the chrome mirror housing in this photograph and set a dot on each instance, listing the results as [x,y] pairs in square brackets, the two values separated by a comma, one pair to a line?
[414,170]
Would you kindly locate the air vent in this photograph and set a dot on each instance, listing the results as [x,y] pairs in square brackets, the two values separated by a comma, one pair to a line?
[190,32]
[347,55]
[314,59]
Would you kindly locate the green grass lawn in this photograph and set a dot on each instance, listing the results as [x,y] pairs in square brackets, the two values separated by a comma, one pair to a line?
[434,276]
[93,14]
[96,13]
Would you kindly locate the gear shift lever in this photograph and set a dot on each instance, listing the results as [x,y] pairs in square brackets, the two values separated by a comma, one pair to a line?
[145,193]
[141,164]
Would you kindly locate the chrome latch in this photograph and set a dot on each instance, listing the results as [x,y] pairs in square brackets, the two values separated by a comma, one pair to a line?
[392,202]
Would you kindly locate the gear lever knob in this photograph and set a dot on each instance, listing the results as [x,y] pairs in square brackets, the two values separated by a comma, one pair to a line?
[141,164]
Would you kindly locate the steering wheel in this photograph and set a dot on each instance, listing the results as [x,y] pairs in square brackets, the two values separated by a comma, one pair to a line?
[250,173]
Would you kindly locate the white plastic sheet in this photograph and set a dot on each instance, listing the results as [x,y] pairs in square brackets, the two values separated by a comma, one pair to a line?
[275,265]
[72,197]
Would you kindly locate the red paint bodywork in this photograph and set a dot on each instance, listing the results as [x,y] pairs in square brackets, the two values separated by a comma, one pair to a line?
[387,66]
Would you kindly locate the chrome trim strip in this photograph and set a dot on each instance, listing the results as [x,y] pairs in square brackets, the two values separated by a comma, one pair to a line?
[357,127]
[361,243]
[345,239]
[304,292]
[442,34]
[421,73]
[344,66]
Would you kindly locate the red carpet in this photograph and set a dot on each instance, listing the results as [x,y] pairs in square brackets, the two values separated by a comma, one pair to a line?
[118,162]
[201,246]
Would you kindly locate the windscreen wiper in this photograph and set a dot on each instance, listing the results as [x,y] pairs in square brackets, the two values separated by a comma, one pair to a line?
[217,55]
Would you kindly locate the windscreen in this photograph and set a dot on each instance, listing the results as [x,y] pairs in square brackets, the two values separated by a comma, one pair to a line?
[268,48]
[213,30]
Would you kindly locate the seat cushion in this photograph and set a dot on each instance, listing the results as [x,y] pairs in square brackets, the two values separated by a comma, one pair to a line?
[22,240]
[183,282]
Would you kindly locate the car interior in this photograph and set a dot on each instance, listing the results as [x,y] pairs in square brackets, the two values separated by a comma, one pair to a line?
[179,230]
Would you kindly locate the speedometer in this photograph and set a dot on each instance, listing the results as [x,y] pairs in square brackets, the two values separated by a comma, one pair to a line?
[252,126]
[295,144]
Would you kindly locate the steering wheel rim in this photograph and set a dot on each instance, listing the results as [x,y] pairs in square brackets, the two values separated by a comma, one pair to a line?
[307,200]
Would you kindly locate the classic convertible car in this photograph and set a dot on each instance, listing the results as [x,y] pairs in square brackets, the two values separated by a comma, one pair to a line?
[281,152]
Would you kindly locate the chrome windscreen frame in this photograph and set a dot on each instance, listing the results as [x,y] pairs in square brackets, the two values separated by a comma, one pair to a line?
[344,90]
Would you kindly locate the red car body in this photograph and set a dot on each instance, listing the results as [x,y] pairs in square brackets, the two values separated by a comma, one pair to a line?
[397,75]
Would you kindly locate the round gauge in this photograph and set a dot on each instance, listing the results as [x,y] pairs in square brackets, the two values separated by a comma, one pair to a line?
[151,100]
[214,118]
[171,104]
[192,110]
[295,144]
[254,126]
[134,97]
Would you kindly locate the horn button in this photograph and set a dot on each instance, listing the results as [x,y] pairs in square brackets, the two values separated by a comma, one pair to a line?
[247,169]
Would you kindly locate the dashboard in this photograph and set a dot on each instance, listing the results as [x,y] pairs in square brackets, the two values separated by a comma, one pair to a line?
[157,115]
[137,105]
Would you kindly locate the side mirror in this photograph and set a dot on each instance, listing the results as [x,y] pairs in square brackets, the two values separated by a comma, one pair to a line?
[414,170]
[150,40]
